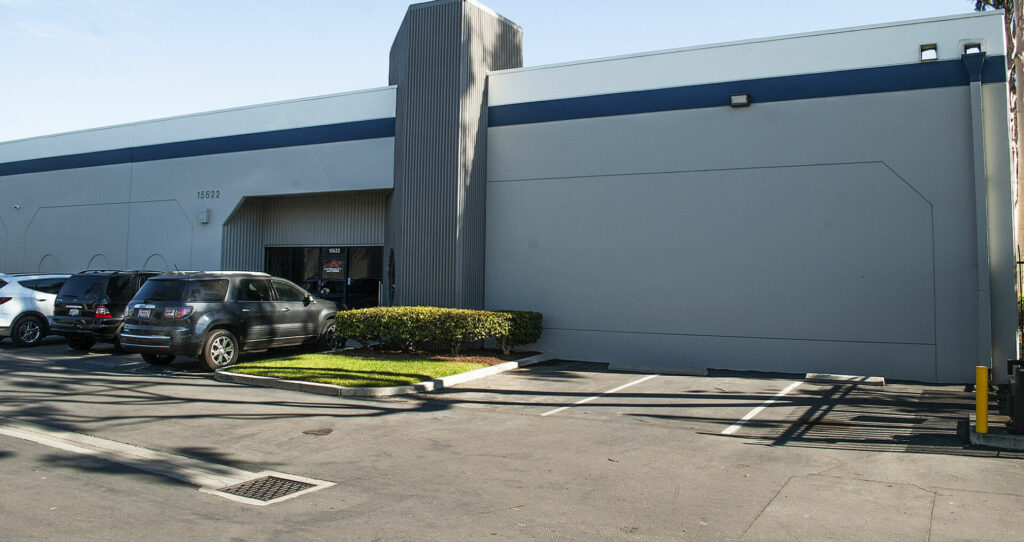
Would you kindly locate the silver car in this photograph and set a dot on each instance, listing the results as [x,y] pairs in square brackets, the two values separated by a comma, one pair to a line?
[26,306]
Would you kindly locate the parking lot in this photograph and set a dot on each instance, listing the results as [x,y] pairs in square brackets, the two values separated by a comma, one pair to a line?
[557,451]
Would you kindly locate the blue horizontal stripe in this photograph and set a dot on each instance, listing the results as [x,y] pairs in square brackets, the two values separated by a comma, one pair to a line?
[922,75]
[276,139]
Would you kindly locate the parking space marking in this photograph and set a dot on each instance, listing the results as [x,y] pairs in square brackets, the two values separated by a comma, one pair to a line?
[598,396]
[209,477]
[757,410]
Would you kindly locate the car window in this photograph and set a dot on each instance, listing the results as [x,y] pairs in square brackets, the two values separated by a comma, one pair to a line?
[84,288]
[207,291]
[287,292]
[160,290]
[47,286]
[253,290]
[119,288]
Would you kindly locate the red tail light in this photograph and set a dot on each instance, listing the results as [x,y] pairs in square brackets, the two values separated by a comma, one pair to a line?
[4,300]
[177,313]
[102,312]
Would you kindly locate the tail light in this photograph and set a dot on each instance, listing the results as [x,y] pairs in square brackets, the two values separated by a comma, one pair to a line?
[102,312]
[177,313]
[4,300]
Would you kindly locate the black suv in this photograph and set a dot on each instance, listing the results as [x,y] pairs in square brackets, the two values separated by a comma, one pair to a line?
[214,315]
[90,306]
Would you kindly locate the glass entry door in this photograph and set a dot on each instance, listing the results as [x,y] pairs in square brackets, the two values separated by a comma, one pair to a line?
[349,276]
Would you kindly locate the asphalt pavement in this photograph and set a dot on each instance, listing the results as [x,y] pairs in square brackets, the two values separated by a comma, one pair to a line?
[558,451]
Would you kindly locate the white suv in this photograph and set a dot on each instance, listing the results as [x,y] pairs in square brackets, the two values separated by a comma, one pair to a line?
[26,306]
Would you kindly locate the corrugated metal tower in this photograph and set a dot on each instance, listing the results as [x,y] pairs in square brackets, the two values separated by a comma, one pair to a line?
[434,229]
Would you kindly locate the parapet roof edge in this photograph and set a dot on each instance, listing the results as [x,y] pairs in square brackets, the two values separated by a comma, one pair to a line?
[783,37]
[480,5]
[203,113]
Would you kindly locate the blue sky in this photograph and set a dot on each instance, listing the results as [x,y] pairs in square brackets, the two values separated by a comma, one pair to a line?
[74,64]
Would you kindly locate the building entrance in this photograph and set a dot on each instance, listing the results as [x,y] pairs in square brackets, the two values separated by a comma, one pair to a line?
[349,276]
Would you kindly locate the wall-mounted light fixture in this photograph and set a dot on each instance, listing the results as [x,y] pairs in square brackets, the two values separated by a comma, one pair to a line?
[204,215]
[739,100]
[929,52]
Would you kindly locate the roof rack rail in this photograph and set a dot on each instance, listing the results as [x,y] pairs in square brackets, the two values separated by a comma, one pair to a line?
[121,271]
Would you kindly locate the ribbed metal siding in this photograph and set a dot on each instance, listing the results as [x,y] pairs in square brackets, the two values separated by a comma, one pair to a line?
[489,43]
[436,214]
[336,219]
[321,220]
[243,238]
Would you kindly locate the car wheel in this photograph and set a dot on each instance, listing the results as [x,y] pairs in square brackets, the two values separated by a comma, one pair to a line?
[27,331]
[82,344]
[220,349]
[117,343]
[329,340]
[158,359]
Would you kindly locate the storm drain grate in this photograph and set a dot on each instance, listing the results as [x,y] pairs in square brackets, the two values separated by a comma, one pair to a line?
[267,488]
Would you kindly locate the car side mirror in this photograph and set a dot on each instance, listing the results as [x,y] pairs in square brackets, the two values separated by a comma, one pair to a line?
[308,299]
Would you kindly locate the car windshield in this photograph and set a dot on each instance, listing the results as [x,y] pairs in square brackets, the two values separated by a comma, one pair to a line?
[84,287]
[185,291]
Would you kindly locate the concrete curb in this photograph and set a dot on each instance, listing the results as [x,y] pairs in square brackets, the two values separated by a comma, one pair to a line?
[222,375]
[823,378]
[680,371]
[997,437]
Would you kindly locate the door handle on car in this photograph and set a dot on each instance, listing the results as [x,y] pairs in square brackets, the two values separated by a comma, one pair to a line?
[37,299]
[286,309]
[246,310]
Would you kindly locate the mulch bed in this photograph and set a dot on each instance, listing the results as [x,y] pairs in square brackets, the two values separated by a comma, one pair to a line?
[485,356]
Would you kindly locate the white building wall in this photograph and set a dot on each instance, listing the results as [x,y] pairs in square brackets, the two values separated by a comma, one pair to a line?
[833,234]
[141,213]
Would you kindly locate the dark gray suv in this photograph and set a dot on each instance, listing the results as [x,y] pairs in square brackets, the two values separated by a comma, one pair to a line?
[215,315]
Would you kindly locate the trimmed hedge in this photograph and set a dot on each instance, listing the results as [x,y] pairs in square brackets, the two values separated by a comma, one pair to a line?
[417,327]
[525,328]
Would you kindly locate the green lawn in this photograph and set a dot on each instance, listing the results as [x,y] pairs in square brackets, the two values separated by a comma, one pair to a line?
[342,370]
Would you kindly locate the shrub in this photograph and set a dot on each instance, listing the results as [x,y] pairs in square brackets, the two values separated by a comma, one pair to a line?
[416,327]
[525,328]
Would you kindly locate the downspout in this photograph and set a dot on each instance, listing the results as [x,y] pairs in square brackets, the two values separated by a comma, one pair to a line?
[974,63]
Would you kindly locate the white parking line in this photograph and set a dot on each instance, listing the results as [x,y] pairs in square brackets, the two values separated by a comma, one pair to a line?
[757,410]
[210,477]
[589,399]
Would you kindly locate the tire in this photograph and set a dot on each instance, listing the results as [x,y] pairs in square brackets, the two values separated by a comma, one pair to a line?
[220,350]
[28,330]
[80,343]
[158,359]
[329,340]
[117,344]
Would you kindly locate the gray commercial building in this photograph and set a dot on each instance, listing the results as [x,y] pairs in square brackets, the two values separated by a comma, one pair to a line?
[837,201]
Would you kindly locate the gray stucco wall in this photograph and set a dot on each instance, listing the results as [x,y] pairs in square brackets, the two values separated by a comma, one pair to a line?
[435,216]
[831,234]
[145,214]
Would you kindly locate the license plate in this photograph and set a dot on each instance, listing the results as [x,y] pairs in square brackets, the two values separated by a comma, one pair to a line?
[145,313]
[73,312]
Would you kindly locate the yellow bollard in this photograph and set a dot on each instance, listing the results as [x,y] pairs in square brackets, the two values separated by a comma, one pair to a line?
[981,398]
